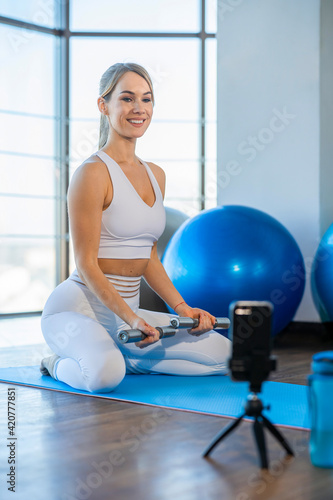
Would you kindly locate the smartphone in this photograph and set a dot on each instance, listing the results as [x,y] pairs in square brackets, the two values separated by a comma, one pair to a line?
[250,332]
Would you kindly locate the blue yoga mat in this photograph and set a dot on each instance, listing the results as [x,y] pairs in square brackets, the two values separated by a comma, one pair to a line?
[214,395]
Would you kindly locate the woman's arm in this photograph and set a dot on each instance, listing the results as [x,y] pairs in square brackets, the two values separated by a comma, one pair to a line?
[159,281]
[86,199]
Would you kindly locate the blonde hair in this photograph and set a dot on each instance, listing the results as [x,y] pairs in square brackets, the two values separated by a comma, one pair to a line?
[107,85]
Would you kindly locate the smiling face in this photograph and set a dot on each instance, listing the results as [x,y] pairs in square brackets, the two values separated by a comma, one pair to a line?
[130,107]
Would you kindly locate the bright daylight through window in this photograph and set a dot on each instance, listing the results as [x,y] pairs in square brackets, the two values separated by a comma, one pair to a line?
[53,54]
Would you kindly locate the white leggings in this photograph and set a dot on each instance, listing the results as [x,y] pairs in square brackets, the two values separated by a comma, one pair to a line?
[83,332]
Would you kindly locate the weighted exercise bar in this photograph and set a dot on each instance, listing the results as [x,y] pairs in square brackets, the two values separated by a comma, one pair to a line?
[135,335]
[185,322]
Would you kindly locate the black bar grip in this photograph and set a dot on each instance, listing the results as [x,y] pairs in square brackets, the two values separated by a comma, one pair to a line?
[129,336]
[186,322]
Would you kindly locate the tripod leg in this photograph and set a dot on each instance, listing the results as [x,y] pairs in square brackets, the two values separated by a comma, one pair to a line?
[258,430]
[225,431]
[277,434]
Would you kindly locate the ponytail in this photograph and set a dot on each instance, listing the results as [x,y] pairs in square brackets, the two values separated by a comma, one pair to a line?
[103,131]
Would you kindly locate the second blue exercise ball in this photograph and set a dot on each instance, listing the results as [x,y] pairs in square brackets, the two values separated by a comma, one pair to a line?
[236,253]
[322,277]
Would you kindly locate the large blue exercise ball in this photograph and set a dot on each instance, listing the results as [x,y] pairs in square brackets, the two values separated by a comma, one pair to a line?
[148,298]
[233,253]
[322,277]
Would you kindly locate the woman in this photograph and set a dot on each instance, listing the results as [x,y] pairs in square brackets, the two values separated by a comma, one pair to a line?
[116,213]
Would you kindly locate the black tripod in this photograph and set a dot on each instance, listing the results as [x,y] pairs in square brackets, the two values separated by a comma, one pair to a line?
[253,408]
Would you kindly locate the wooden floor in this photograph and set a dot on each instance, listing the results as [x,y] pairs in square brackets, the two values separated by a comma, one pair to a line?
[76,447]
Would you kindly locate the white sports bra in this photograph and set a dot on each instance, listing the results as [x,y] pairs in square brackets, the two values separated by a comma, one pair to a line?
[129,226]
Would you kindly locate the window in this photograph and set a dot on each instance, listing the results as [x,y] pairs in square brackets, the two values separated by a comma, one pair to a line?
[159,16]
[40,12]
[27,171]
[54,53]
[211,124]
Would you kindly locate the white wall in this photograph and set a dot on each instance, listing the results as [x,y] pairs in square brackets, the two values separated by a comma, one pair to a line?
[326,115]
[269,136]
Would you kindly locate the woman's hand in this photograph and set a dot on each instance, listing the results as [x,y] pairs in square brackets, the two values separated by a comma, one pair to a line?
[206,320]
[152,334]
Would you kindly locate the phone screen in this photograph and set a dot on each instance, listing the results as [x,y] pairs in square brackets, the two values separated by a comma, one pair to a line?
[250,327]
